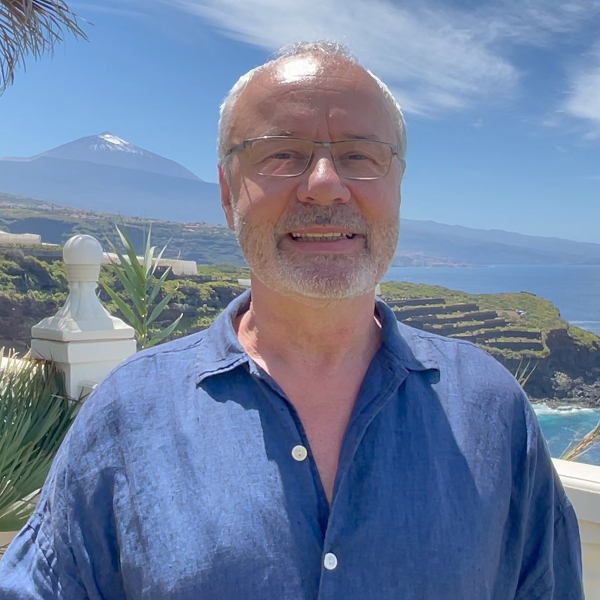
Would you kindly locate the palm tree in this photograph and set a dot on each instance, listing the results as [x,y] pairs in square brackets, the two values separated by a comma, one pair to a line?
[31,27]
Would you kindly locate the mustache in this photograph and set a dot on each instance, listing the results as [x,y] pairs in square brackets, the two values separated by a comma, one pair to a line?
[335,215]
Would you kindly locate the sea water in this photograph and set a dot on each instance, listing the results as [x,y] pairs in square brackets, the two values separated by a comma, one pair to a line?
[575,290]
[562,427]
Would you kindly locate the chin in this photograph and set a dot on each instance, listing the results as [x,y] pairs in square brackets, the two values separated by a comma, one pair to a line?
[320,276]
[321,281]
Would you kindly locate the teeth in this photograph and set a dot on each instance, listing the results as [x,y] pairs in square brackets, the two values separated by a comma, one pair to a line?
[321,237]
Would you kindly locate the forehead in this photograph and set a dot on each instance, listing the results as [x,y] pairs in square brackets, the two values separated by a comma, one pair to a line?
[305,97]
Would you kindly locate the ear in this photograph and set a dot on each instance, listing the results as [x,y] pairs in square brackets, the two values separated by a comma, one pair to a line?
[402,167]
[226,197]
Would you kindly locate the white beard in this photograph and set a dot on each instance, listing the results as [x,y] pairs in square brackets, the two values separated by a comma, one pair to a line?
[326,276]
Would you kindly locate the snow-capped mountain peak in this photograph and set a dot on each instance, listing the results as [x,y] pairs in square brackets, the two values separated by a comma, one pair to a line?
[107,136]
[108,142]
[107,148]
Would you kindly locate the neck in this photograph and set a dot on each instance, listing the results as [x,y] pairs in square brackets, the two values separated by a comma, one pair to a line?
[308,332]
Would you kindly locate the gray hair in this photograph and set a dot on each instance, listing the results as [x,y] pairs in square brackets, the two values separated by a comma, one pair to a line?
[329,50]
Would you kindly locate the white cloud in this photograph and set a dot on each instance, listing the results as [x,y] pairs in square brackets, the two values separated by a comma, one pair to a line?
[583,101]
[436,56]
[537,22]
[430,56]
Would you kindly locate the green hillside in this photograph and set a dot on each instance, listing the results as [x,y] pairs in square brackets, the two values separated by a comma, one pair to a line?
[206,244]
[518,329]
[520,312]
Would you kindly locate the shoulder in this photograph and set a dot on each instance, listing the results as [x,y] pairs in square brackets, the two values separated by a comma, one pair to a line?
[149,370]
[182,351]
[455,357]
[474,389]
[141,391]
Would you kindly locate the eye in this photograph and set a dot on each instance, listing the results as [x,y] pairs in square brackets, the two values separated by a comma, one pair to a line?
[284,155]
[356,157]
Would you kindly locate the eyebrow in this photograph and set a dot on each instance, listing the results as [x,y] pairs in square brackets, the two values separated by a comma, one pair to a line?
[279,133]
[346,136]
[355,136]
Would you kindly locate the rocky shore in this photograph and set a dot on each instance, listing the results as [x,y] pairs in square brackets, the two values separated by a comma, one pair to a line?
[569,392]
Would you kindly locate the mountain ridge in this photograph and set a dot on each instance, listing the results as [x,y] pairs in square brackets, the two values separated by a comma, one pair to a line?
[106,174]
[109,149]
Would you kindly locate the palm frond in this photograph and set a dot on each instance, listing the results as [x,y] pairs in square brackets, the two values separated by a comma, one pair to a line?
[35,415]
[574,451]
[32,27]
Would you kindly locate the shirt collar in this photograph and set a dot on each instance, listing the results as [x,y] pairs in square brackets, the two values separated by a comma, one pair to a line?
[408,347]
[221,350]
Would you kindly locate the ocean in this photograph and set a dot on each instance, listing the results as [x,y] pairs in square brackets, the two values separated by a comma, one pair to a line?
[575,290]
[561,427]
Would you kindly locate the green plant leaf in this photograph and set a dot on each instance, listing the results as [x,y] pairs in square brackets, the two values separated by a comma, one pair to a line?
[128,275]
[164,333]
[140,285]
[131,290]
[158,258]
[159,308]
[158,286]
[131,317]
[131,254]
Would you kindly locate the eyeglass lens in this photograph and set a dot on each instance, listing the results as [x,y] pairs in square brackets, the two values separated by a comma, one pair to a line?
[357,159]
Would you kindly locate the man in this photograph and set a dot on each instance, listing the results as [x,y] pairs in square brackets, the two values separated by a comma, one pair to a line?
[306,445]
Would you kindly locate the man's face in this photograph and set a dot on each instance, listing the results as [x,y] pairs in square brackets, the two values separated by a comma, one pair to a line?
[280,221]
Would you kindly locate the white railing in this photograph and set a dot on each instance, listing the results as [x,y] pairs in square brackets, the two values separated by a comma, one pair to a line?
[87,343]
[582,484]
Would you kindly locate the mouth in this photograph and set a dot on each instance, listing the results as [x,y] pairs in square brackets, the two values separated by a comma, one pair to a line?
[321,237]
[324,240]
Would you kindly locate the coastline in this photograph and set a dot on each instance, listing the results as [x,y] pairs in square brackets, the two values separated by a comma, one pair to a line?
[564,405]
[575,393]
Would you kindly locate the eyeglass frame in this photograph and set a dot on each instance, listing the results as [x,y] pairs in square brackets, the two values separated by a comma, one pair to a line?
[396,150]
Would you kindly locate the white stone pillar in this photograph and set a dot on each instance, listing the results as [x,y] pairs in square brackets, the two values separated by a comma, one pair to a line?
[82,337]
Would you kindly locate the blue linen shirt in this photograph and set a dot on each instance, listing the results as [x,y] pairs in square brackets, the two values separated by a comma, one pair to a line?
[179,480]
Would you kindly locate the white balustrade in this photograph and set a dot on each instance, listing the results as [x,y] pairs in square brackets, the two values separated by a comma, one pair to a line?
[82,337]
[582,484]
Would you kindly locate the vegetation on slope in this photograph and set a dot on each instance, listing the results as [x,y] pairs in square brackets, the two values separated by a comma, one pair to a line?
[564,356]
[33,288]
[528,310]
[206,244]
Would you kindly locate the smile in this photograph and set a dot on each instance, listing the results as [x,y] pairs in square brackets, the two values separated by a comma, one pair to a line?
[321,237]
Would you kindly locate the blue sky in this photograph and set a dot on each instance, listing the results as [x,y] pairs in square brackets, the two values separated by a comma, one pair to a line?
[501,97]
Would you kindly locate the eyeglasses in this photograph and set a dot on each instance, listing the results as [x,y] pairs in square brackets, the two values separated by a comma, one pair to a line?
[280,156]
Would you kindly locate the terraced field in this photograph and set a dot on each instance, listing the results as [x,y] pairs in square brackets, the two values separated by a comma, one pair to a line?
[468,321]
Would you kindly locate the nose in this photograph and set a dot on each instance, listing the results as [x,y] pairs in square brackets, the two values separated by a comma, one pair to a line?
[321,183]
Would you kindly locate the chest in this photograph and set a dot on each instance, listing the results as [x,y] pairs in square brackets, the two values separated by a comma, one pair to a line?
[218,507]
[244,521]
[325,410]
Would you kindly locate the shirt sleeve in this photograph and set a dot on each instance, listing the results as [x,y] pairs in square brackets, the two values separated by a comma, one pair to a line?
[39,564]
[69,550]
[551,567]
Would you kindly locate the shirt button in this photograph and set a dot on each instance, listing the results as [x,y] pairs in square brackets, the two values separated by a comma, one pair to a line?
[330,561]
[299,453]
